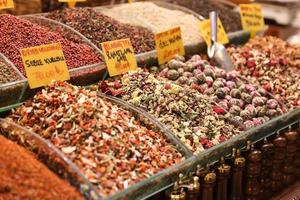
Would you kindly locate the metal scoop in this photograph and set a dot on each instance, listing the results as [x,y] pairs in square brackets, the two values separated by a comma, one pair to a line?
[217,51]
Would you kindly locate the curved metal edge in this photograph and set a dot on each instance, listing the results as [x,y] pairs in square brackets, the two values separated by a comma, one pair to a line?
[168,133]
[57,152]
[161,181]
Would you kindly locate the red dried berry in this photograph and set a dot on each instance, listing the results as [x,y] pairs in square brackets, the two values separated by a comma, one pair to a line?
[251,64]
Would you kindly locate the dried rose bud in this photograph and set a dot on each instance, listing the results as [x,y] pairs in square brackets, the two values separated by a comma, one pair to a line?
[201,78]
[187,74]
[261,111]
[223,103]
[226,90]
[209,91]
[231,76]
[249,88]
[230,84]
[192,80]
[237,121]
[262,91]
[197,71]
[154,69]
[180,71]
[220,93]
[235,93]
[228,97]
[218,84]
[208,71]
[246,98]
[235,110]
[179,58]
[195,58]
[248,124]
[251,110]
[183,80]
[245,114]
[189,67]
[220,73]
[172,74]
[258,101]
[209,80]
[255,94]
[175,64]
[257,121]
[272,104]
[271,113]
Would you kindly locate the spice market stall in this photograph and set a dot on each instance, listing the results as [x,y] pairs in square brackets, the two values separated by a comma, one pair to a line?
[182,129]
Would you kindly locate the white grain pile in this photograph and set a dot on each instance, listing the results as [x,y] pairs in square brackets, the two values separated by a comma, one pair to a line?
[157,19]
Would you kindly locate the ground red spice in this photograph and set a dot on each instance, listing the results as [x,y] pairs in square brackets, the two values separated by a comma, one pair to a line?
[17,33]
[24,177]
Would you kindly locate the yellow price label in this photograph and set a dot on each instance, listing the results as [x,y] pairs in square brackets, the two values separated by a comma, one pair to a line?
[4,4]
[252,17]
[119,56]
[44,64]
[168,44]
[205,32]
[71,3]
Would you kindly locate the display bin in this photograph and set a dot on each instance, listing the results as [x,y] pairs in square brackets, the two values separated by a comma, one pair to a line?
[83,75]
[47,153]
[150,58]
[24,137]
[160,185]
[11,92]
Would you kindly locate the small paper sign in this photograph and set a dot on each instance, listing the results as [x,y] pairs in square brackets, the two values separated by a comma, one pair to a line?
[44,64]
[205,32]
[119,56]
[252,17]
[71,3]
[168,44]
[4,4]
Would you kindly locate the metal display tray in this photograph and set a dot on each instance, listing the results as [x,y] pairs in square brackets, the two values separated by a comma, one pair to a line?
[83,75]
[24,137]
[150,58]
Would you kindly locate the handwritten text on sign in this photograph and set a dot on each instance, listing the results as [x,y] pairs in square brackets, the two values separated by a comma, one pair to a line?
[252,18]
[44,63]
[205,32]
[168,44]
[119,56]
[6,4]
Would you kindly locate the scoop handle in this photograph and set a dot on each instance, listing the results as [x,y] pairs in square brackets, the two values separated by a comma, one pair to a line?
[213,16]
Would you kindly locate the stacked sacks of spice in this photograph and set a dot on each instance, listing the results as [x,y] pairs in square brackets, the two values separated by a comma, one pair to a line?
[17,33]
[193,118]
[107,143]
[101,28]
[249,105]
[272,72]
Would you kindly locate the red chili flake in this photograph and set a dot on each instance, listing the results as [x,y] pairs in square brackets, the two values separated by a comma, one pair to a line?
[219,110]
[251,64]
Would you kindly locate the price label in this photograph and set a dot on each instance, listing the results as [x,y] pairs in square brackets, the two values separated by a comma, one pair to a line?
[119,56]
[44,64]
[252,17]
[168,44]
[205,32]
[71,3]
[4,4]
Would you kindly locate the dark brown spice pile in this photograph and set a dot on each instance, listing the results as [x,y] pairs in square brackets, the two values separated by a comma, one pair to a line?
[17,33]
[24,177]
[230,19]
[101,28]
[106,142]
[7,74]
